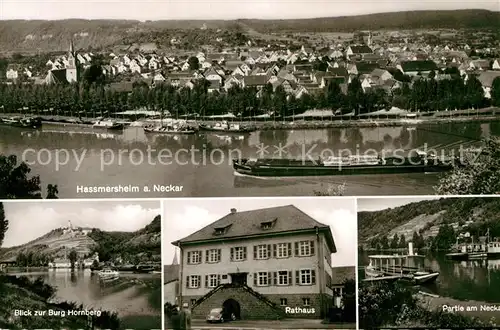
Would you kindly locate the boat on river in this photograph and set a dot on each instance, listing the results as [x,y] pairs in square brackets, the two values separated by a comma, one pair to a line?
[169,130]
[108,124]
[108,274]
[144,268]
[350,165]
[226,127]
[23,122]
[393,267]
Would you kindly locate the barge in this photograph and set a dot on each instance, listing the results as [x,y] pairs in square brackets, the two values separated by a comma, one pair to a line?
[23,122]
[226,127]
[354,165]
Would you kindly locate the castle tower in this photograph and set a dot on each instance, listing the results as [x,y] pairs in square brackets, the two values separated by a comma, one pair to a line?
[71,69]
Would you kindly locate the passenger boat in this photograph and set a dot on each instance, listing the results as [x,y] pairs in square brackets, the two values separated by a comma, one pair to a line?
[226,127]
[108,124]
[108,273]
[398,267]
[352,165]
[493,249]
[23,122]
[169,129]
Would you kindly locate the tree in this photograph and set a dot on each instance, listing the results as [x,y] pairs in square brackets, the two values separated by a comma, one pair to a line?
[52,191]
[194,63]
[495,92]
[73,257]
[4,224]
[402,241]
[444,239]
[478,174]
[395,242]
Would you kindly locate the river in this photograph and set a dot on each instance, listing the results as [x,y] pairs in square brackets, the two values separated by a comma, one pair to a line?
[135,297]
[131,157]
[477,280]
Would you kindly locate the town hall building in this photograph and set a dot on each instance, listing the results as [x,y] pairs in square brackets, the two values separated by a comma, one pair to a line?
[261,264]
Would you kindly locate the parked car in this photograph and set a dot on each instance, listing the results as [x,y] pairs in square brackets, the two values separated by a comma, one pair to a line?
[220,315]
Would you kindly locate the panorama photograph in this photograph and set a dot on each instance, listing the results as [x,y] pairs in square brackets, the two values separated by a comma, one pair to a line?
[80,265]
[285,263]
[249,99]
[428,262]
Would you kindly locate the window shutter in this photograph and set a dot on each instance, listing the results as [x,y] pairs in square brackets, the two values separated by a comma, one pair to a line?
[289,250]
[206,281]
[206,256]
[244,253]
[296,249]
[189,257]
[269,250]
[187,281]
[218,255]
[312,248]
[290,281]
[218,280]
[274,250]
[232,254]
[254,279]
[275,278]
[297,277]
[201,257]
[255,252]
[313,276]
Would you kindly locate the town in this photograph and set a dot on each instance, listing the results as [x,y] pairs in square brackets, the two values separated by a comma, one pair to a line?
[290,75]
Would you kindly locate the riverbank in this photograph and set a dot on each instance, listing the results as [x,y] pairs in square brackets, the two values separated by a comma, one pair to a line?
[287,125]
[27,297]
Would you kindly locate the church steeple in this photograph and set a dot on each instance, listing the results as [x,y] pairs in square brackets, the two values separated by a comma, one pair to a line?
[175,261]
[71,48]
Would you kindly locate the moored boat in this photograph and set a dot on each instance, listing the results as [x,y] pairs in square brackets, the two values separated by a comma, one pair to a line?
[23,122]
[169,130]
[352,165]
[108,124]
[144,268]
[226,127]
[108,273]
[400,267]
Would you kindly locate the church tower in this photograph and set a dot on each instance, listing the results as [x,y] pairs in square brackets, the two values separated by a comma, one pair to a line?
[71,69]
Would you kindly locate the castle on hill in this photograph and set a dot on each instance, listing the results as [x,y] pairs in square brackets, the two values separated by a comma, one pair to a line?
[75,231]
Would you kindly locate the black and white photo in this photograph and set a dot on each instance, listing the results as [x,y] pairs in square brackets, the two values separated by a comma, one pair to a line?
[260,263]
[80,265]
[254,98]
[429,262]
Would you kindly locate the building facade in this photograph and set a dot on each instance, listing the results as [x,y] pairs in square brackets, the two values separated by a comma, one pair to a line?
[262,264]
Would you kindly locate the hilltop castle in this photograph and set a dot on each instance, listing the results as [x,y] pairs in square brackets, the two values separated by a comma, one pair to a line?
[75,231]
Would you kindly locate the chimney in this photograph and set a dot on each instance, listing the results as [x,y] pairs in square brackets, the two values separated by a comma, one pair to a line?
[233,211]
[410,248]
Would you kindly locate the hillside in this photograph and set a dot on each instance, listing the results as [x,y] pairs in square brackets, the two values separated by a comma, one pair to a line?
[45,36]
[426,217]
[55,244]
[127,244]
[108,244]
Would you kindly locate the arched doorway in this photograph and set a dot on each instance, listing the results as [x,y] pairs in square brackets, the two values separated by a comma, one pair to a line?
[232,307]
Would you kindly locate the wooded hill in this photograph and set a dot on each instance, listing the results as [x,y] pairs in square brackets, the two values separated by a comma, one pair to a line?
[425,218]
[45,36]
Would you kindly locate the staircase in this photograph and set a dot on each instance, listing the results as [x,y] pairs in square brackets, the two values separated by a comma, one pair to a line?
[239,293]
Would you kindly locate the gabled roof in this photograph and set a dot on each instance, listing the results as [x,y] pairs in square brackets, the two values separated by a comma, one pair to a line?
[57,77]
[413,66]
[361,50]
[247,224]
[256,80]
[486,78]
[171,273]
[366,67]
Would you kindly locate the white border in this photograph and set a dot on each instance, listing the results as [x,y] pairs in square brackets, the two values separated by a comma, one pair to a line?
[162,221]
[356,265]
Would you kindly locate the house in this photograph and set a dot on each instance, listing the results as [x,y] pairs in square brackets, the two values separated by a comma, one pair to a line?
[413,68]
[486,79]
[171,282]
[259,264]
[480,65]
[257,81]
[233,81]
[212,74]
[495,65]
[358,50]
[12,71]
[340,276]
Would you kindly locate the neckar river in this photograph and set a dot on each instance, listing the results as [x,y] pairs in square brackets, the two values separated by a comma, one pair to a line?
[75,158]
[135,297]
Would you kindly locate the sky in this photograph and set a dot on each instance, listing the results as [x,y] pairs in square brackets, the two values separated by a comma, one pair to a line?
[183,217]
[30,220]
[217,9]
[376,204]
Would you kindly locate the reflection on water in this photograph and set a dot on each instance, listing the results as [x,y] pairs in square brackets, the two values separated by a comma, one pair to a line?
[463,280]
[204,160]
[132,295]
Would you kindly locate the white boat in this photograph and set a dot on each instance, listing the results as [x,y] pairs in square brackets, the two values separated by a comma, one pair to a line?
[398,266]
[107,124]
[108,273]
[352,160]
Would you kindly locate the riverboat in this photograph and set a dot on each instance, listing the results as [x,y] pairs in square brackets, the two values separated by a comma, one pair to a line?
[169,130]
[398,267]
[352,165]
[108,124]
[108,273]
[23,122]
[226,127]
[493,249]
